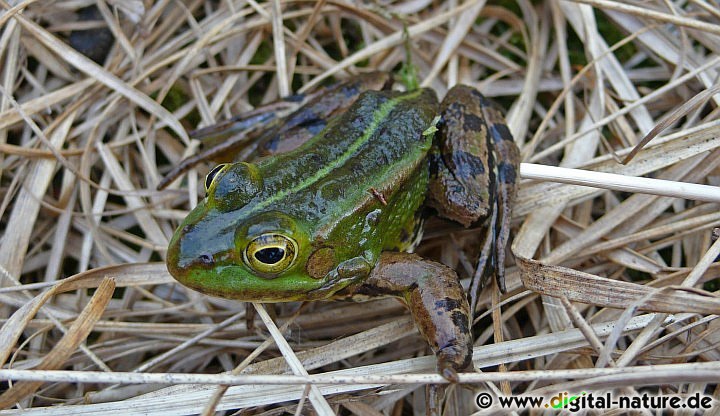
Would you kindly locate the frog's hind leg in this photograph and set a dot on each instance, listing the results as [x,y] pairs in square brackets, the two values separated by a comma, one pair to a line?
[437,301]
[311,118]
[507,163]
[222,141]
[461,160]
[473,167]
[276,127]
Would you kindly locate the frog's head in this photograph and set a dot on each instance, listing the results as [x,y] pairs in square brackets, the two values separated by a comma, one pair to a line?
[226,248]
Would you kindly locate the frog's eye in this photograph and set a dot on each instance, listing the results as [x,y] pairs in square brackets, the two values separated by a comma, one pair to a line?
[235,185]
[270,253]
[212,174]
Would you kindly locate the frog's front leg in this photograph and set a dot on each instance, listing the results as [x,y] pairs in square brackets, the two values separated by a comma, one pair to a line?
[436,300]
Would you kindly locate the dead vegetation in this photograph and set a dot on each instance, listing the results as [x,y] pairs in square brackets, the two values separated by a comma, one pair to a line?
[622,295]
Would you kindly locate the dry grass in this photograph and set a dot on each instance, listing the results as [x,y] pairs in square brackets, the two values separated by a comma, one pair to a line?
[615,299]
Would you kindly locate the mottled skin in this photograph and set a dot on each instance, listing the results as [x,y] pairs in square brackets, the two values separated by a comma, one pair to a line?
[267,123]
[439,307]
[474,173]
[324,219]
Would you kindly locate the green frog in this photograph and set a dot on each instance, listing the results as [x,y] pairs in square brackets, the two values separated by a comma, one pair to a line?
[335,207]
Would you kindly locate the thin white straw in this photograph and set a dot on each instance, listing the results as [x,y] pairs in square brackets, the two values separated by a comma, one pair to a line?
[617,182]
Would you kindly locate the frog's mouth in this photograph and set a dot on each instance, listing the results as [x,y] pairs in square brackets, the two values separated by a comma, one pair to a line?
[236,282]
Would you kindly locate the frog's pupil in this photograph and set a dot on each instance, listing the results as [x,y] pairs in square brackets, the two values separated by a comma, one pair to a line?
[270,255]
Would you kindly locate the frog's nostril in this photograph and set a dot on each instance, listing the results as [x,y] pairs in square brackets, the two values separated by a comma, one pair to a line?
[206,259]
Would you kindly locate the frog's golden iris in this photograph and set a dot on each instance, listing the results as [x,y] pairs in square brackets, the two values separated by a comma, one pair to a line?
[270,254]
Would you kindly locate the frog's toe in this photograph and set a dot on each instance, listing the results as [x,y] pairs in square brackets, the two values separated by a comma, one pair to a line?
[449,374]
[451,359]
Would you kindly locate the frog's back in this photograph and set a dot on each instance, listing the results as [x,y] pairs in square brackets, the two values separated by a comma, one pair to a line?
[372,158]
[373,144]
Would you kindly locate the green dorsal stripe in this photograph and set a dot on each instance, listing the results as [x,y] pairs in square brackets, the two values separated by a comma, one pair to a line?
[378,117]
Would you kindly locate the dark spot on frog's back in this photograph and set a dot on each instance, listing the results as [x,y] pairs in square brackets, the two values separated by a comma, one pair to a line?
[308,159]
[447,304]
[455,109]
[483,100]
[506,173]
[472,123]
[350,90]
[500,132]
[468,164]
[314,126]
[460,320]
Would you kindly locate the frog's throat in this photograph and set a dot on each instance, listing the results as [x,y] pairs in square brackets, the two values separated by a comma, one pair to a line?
[378,116]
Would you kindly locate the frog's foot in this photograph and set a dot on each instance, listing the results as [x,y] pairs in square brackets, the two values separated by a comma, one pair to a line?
[436,300]
[507,164]
[488,261]
[450,359]
[474,163]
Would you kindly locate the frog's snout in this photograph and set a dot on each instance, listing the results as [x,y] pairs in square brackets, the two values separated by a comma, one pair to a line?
[188,251]
[178,269]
